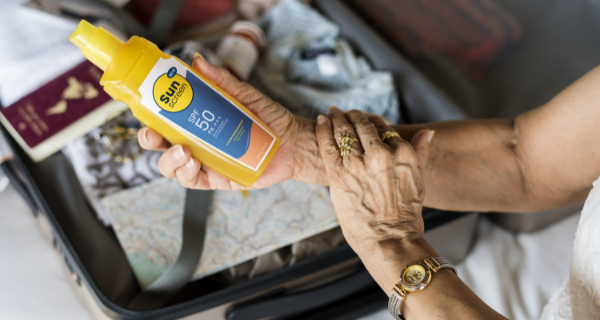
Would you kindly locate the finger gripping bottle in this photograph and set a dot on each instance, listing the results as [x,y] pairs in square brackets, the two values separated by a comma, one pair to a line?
[181,104]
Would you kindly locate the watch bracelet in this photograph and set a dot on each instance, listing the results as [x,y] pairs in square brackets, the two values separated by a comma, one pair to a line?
[399,294]
[395,301]
[445,263]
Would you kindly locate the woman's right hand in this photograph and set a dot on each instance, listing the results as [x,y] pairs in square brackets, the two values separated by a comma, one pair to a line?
[297,157]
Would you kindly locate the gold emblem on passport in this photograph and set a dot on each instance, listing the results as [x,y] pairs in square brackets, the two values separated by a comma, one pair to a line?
[74,90]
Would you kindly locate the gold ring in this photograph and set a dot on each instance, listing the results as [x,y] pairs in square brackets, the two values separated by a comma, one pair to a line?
[389,134]
[346,141]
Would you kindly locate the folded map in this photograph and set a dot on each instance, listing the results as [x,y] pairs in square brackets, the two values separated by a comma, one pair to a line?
[242,224]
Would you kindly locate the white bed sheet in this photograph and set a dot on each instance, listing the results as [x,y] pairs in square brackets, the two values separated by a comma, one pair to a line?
[32,282]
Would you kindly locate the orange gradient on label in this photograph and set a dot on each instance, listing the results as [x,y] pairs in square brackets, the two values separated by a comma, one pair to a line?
[260,140]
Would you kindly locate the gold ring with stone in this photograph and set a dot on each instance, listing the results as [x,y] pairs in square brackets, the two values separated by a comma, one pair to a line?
[389,134]
[346,141]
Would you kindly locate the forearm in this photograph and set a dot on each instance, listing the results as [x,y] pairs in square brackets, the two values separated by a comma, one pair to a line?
[546,158]
[446,296]
[473,165]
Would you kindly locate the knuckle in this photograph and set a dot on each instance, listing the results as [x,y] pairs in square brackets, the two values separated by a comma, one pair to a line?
[406,156]
[223,72]
[186,178]
[229,81]
[383,127]
[374,147]
[168,165]
[363,122]
[163,161]
[404,150]
[186,182]
[354,113]
[384,153]
[330,149]
[343,127]
[166,171]
[377,119]
[250,96]
[380,150]
[381,159]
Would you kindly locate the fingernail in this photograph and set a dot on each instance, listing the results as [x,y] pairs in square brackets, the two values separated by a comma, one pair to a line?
[178,153]
[431,134]
[190,163]
[145,135]
[321,119]
[196,55]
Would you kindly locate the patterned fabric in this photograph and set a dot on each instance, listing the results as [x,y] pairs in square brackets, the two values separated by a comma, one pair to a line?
[472,33]
[307,69]
[579,297]
[99,174]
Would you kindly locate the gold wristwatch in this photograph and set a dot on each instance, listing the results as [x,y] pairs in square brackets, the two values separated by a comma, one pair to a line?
[414,278]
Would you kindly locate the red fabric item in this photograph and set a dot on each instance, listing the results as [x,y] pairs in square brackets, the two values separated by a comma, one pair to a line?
[471,33]
[193,12]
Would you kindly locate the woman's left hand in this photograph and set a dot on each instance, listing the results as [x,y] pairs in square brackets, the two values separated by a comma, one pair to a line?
[377,191]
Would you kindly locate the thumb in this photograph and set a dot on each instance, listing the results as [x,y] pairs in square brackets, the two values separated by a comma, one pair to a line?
[420,143]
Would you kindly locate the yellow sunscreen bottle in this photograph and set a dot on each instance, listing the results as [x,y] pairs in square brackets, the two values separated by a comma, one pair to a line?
[181,104]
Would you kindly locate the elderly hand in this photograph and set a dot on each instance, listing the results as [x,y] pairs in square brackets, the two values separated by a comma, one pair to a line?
[297,157]
[377,191]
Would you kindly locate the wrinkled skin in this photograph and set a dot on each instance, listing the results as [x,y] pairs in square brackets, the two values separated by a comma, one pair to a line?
[377,190]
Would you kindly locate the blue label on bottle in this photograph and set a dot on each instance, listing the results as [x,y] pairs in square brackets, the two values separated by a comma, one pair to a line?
[193,105]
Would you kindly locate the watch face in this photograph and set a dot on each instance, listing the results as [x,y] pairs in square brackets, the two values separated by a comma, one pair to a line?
[414,275]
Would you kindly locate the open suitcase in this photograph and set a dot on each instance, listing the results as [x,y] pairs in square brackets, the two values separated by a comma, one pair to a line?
[332,285]
[539,65]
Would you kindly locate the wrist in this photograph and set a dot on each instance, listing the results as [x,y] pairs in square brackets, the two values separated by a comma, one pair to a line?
[386,259]
[309,167]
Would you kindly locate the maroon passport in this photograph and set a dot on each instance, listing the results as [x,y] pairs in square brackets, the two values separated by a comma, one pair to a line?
[60,111]
[57,104]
